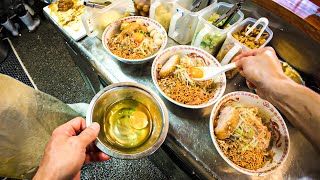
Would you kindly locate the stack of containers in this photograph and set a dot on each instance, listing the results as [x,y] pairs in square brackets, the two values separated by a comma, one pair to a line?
[184,22]
[232,47]
[207,36]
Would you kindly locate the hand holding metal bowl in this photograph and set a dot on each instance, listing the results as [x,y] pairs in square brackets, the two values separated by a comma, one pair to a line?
[133,119]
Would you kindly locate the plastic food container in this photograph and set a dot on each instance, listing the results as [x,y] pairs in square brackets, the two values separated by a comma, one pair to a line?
[101,18]
[207,36]
[142,7]
[161,11]
[184,22]
[232,47]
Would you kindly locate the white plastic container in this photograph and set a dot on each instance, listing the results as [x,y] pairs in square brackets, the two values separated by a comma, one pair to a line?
[161,11]
[232,47]
[100,18]
[184,22]
[207,36]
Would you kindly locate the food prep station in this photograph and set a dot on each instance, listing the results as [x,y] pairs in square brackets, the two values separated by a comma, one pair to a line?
[188,140]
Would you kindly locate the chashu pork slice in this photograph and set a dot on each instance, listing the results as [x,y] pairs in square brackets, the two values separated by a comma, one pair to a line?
[227,122]
[169,67]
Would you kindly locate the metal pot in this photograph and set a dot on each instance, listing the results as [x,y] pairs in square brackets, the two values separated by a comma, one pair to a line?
[127,90]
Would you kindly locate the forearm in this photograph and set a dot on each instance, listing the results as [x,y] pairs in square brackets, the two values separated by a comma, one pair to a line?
[43,173]
[300,105]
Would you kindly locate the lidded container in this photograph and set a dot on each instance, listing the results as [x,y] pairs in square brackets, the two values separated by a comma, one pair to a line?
[184,21]
[209,37]
[142,7]
[232,46]
[96,20]
[161,11]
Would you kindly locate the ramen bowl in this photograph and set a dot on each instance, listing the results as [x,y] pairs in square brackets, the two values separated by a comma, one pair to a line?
[279,143]
[118,134]
[114,29]
[164,56]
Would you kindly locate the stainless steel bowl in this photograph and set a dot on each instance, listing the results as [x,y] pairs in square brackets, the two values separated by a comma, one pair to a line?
[128,90]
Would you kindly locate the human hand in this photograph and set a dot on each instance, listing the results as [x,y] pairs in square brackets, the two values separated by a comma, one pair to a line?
[261,68]
[68,149]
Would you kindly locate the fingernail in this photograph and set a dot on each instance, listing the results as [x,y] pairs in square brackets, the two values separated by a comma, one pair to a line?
[95,126]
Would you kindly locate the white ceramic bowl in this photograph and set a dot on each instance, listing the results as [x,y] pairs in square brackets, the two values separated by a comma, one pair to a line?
[164,56]
[281,144]
[115,28]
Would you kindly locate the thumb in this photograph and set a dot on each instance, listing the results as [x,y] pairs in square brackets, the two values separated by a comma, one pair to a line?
[238,62]
[89,134]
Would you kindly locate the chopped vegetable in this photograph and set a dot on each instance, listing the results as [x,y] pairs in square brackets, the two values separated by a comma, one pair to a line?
[212,41]
[215,17]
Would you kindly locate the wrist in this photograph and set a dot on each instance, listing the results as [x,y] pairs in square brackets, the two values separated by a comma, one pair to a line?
[45,173]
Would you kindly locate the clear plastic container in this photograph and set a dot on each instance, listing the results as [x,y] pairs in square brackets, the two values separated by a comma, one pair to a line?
[96,20]
[184,22]
[232,47]
[207,36]
[142,7]
[161,11]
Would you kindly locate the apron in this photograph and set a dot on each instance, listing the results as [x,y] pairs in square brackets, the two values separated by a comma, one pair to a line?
[27,120]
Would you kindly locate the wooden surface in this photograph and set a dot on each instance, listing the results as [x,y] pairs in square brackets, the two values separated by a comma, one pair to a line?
[305,14]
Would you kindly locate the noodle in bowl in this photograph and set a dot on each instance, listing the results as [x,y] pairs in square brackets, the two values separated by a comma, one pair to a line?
[278,146]
[181,94]
[113,29]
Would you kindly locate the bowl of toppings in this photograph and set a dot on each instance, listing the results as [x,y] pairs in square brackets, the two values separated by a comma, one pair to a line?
[134,39]
[292,73]
[249,133]
[172,73]
[133,120]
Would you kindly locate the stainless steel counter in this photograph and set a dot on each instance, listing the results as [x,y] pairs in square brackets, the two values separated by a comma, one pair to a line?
[188,135]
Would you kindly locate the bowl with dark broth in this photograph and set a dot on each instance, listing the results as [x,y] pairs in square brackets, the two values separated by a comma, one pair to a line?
[133,120]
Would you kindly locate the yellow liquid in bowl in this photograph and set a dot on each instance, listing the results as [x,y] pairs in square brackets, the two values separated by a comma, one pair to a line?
[127,123]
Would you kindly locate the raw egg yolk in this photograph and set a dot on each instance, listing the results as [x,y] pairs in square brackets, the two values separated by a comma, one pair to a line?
[138,120]
[195,72]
